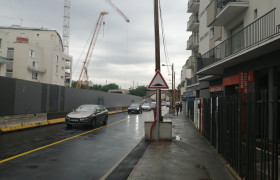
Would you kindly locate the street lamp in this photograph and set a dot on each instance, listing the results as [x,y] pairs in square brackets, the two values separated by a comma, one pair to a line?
[173,84]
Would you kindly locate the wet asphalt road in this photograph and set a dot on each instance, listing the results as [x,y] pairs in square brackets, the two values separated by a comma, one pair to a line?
[57,152]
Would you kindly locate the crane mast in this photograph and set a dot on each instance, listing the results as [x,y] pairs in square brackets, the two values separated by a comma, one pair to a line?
[117,9]
[66,25]
[84,73]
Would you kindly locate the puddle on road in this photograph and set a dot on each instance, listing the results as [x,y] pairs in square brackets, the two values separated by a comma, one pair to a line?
[178,138]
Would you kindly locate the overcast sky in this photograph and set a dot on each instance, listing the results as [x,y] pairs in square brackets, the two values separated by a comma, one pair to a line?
[124,52]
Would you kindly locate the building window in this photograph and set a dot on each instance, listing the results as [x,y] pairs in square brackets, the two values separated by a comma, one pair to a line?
[35,64]
[196,37]
[56,69]
[56,59]
[211,33]
[31,53]
[0,43]
[34,75]
[10,54]
[256,13]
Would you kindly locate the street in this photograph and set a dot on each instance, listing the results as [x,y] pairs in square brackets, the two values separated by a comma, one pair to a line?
[58,152]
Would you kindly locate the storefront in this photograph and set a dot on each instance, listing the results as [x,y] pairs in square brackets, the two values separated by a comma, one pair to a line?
[238,83]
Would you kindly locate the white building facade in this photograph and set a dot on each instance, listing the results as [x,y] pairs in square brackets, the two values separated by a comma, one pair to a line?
[34,54]
[234,91]
[229,37]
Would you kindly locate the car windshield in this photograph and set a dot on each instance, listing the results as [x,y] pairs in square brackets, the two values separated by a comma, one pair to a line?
[134,105]
[146,104]
[87,108]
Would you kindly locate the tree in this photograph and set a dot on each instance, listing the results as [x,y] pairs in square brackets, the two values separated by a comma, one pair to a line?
[110,86]
[74,84]
[96,87]
[139,91]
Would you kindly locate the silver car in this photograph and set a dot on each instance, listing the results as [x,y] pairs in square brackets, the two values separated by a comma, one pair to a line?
[88,114]
[146,107]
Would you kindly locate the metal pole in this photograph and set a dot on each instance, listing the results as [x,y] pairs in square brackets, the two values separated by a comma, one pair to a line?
[173,97]
[174,88]
[158,114]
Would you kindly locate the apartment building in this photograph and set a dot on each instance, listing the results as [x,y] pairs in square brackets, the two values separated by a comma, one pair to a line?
[234,91]
[34,54]
[235,47]
[185,74]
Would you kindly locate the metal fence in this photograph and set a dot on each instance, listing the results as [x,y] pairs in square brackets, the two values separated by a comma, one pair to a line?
[245,130]
[26,97]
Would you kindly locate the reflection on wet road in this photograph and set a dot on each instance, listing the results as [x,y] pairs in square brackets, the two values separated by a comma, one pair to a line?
[57,152]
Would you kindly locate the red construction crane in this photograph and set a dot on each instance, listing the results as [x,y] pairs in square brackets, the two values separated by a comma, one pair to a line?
[83,78]
[117,9]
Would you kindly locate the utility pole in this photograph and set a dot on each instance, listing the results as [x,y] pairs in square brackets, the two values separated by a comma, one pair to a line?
[157,56]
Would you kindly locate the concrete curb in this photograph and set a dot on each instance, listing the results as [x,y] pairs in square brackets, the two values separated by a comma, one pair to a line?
[20,122]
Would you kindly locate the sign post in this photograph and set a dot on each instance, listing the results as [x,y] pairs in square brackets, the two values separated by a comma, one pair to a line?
[158,83]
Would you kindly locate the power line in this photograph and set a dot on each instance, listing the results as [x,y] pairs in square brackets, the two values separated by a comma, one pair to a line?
[163,39]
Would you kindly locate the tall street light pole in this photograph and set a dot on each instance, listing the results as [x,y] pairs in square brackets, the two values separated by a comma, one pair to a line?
[173,87]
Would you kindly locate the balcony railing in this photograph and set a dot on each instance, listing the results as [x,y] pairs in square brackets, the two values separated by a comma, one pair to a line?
[192,81]
[193,5]
[192,42]
[4,60]
[193,22]
[190,62]
[259,30]
[67,65]
[222,3]
[36,69]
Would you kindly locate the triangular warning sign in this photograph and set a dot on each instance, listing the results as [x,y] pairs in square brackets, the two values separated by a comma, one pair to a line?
[158,82]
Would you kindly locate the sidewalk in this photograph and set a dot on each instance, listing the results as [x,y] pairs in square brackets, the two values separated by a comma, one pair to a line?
[187,156]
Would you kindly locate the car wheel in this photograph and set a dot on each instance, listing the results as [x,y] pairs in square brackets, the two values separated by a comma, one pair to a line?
[105,120]
[69,125]
[94,122]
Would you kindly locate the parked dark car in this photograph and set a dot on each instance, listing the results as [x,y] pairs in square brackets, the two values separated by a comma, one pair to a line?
[135,108]
[88,114]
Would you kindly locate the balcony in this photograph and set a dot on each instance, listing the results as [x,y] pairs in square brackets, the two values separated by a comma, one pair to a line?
[36,69]
[190,63]
[192,43]
[221,12]
[258,38]
[67,65]
[67,74]
[193,22]
[192,81]
[4,60]
[193,6]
